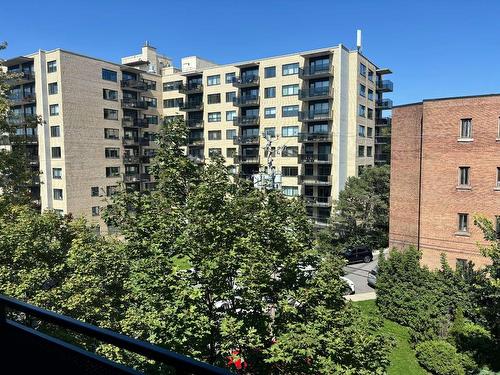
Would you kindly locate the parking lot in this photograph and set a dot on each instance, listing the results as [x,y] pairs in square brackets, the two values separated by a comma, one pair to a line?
[358,272]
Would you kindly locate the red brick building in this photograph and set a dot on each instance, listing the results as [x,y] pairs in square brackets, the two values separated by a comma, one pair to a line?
[445,168]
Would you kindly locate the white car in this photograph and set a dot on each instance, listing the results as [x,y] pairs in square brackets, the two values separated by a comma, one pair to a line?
[350,285]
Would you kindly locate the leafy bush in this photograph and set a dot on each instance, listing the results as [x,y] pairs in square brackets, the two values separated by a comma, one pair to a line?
[440,357]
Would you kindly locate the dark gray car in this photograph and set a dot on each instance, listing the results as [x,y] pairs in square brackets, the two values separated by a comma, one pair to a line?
[372,277]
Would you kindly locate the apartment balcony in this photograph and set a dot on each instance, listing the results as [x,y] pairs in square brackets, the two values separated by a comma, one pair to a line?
[146,159]
[131,178]
[246,140]
[15,100]
[320,221]
[194,124]
[131,159]
[315,180]
[196,141]
[312,72]
[383,121]
[316,93]
[318,201]
[130,122]
[315,158]
[196,159]
[145,177]
[384,85]
[135,141]
[134,104]
[306,116]
[246,120]
[144,142]
[246,81]
[314,137]
[32,159]
[191,106]
[24,138]
[20,78]
[382,140]
[17,120]
[383,104]
[246,101]
[243,159]
[191,88]
[133,84]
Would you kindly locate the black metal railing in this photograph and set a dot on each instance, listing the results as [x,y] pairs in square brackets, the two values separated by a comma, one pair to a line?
[131,159]
[194,123]
[384,85]
[191,106]
[383,121]
[248,100]
[22,99]
[315,93]
[246,120]
[246,140]
[314,137]
[18,77]
[244,159]
[134,104]
[195,141]
[383,104]
[313,71]
[191,88]
[24,347]
[246,80]
[318,179]
[130,122]
[315,115]
[134,84]
[317,201]
[315,158]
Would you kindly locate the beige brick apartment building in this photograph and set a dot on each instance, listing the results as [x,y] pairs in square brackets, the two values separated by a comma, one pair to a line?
[445,168]
[323,109]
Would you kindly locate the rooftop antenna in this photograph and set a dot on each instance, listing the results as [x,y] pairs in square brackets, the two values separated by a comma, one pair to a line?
[146,44]
[358,40]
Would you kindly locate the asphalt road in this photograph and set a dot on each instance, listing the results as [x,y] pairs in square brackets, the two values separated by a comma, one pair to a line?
[358,272]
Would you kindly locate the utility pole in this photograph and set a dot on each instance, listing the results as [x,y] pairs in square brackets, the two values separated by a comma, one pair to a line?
[267,178]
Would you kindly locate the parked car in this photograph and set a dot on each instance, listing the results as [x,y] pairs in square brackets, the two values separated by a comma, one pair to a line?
[350,286]
[372,277]
[359,254]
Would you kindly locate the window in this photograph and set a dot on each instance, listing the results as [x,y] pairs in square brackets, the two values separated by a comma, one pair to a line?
[55,131]
[369,132]
[151,102]
[109,75]
[271,132]
[230,77]
[230,96]
[213,98]
[290,191]
[362,90]
[112,153]
[230,152]
[151,85]
[289,90]
[111,133]
[361,130]
[59,212]
[463,221]
[466,128]
[362,69]
[171,103]
[214,151]
[110,190]
[370,94]
[369,151]
[270,72]
[370,75]
[289,69]
[361,151]
[171,86]
[270,112]
[231,134]
[53,88]
[52,66]
[463,176]
[213,80]
[370,114]
[151,119]
[58,194]
[290,151]
[95,211]
[112,171]
[289,131]
[270,92]
[290,110]
[94,191]
[230,115]
[289,171]
[54,109]
[56,152]
[214,135]
[108,94]
[361,110]
[110,114]
[214,117]
[57,173]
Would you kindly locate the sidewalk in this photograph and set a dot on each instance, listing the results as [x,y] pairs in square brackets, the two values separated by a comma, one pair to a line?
[361,296]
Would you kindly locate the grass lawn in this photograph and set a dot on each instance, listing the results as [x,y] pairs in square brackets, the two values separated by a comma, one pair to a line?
[402,357]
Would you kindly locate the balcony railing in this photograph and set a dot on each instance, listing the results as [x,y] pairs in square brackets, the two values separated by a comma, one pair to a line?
[246,120]
[22,99]
[130,122]
[382,139]
[145,177]
[315,180]
[246,81]
[246,140]
[315,115]
[383,121]
[318,201]
[16,120]
[134,104]
[314,137]
[191,88]
[131,178]
[320,221]
[316,71]
[196,159]
[383,104]
[196,141]
[134,84]
[315,93]
[24,138]
[20,77]
[315,158]
[191,106]
[384,85]
[131,159]
[194,123]
[25,347]
[244,101]
[243,159]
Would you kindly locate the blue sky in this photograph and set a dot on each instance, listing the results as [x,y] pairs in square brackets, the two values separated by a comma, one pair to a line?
[435,48]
